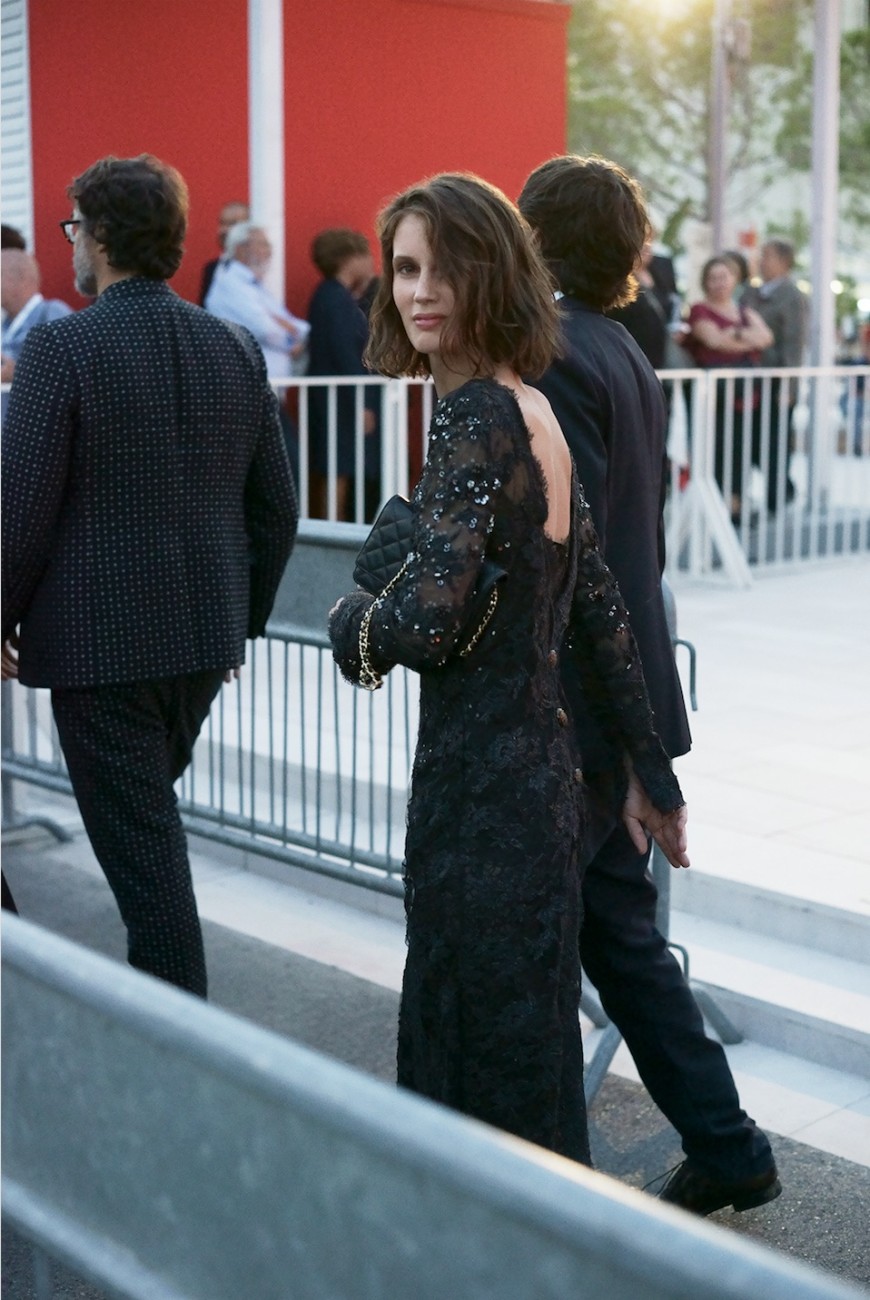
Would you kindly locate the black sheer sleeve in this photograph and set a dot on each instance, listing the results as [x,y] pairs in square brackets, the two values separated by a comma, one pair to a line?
[601,640]
[426,614]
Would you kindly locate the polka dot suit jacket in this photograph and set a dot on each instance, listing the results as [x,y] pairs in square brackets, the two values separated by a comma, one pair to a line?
[148,503]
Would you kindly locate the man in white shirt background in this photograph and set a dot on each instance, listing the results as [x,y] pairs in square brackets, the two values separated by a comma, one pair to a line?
[238,294]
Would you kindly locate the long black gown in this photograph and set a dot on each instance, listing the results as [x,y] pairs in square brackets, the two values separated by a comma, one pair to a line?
[489,1012]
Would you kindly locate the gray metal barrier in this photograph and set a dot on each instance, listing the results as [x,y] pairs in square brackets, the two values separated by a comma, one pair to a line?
[166,1150]
[297,765]
[293,763]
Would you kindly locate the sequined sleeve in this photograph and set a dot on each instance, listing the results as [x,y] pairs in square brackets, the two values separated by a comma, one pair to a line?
[607,659]
[426,614]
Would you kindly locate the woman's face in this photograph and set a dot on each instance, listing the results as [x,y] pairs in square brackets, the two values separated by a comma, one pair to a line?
[423,298]
[719,282]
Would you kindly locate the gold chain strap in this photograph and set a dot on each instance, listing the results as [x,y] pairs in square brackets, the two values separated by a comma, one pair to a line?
[369,678]
[484,624]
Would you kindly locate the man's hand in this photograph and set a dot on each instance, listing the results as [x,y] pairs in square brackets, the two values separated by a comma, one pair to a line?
[667,829]
[7,370]
[9,659]
[233,674]
[289,326]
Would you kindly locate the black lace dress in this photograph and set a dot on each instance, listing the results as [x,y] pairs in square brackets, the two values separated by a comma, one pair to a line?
[489,1013]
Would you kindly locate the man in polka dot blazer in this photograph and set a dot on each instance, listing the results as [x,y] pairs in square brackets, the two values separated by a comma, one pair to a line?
[148,513]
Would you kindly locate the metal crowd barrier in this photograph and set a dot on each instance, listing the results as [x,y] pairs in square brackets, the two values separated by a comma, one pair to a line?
[293,763]
[165,1150]
[794,444]
[302,767]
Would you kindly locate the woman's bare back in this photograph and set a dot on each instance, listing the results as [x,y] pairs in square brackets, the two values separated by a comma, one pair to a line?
[551,452]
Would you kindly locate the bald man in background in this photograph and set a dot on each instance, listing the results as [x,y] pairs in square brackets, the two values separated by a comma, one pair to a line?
[23,304]
[230,215]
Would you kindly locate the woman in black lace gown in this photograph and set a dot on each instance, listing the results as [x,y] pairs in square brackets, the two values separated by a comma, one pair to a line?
[489,1013]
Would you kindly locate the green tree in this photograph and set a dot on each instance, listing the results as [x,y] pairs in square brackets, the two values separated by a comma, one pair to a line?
[639,87]
[793,141]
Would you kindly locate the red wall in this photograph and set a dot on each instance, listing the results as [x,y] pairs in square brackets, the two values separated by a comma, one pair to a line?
[379,93]
[167,77]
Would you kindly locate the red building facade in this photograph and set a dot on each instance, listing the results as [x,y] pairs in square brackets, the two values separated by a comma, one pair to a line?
[376,96]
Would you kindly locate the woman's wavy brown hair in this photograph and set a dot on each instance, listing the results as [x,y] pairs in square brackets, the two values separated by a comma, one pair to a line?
[590,218]
[505,312]
[137,209]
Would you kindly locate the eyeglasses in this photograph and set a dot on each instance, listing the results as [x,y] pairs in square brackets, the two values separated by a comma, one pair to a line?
[68,228]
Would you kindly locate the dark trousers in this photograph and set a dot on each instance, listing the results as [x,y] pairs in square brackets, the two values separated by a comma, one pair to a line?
[745,420]
[125,746]
[643,991]
[777,432]
[8,902]
[734,422]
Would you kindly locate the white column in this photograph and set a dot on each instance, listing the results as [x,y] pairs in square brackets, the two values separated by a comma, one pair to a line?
[826,168]
[720,94]
[266,128]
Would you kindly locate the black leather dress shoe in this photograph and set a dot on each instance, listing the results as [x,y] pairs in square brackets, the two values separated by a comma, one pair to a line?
[692,1190]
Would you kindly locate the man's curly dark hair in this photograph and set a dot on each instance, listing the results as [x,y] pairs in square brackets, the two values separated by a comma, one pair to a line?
[137,209]
[331,249]
[591,222]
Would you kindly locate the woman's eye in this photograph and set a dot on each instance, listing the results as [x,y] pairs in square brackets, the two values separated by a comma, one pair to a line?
[404,268]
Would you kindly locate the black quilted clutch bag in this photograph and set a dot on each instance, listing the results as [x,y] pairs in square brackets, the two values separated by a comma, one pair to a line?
[386,548]
[383,555]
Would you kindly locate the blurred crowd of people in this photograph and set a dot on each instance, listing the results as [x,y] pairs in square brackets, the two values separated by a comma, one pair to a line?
[329,341]
[744,316]
[740,320]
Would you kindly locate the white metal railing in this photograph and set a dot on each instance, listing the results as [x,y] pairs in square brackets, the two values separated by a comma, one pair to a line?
[769,467]
[404,409]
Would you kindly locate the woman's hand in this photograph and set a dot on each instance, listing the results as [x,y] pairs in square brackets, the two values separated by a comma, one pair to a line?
[667,829]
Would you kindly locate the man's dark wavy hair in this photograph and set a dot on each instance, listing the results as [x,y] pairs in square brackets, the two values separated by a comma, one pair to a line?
[504,313]
[591,222]
[137,209]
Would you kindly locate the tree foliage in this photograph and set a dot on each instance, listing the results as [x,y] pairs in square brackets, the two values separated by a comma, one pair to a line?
[793,140]
[639,85]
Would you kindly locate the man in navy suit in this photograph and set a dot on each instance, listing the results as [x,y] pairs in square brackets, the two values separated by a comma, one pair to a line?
[148,514]
[592,224]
